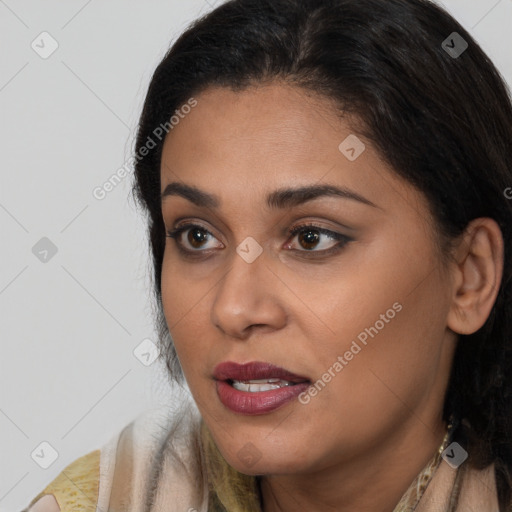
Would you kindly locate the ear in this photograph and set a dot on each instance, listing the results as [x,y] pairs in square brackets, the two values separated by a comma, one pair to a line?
[477,274]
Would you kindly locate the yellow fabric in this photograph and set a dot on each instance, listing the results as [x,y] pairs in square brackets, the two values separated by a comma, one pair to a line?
[76,487]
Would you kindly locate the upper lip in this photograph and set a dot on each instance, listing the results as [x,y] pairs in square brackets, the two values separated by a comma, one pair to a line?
[254,370]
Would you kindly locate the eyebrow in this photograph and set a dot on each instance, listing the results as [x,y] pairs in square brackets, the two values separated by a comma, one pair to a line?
[279,199]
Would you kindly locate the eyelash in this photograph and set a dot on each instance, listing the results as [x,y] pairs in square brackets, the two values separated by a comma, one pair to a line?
[342,239]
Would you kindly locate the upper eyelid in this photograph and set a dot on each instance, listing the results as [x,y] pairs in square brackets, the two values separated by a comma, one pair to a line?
[189,225]
[186,226]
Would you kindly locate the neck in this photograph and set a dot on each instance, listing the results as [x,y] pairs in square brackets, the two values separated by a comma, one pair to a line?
[372,482]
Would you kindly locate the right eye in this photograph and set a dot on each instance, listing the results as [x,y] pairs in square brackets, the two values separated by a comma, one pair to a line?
[196,236]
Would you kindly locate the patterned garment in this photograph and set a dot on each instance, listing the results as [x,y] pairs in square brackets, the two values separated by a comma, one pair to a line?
[152,465]
[412,496]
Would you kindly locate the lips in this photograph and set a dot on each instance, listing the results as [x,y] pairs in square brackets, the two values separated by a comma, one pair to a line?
[229,371]
[241,399]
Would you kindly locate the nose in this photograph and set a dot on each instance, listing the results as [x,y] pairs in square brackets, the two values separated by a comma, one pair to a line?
[247,298]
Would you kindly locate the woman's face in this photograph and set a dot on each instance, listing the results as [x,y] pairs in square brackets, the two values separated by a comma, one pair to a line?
[355,301]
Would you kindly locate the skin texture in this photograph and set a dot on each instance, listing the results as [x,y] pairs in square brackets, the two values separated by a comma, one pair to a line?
[47,503]
[300,310]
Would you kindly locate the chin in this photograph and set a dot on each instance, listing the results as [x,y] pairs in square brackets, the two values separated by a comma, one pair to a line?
[250,460]
[266,468]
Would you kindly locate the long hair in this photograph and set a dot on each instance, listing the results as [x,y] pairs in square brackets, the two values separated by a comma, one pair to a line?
[443,122]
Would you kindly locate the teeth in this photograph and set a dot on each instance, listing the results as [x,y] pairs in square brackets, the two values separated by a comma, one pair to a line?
[256,386]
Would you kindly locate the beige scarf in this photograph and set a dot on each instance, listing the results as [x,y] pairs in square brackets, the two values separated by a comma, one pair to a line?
[438,488]
[154,466]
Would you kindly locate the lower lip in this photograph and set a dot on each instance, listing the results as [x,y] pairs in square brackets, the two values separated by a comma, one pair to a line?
[262,402]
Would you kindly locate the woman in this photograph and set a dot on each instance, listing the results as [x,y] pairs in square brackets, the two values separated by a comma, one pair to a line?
[327,184]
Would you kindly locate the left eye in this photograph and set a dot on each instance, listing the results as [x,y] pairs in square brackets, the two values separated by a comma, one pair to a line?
[310,237]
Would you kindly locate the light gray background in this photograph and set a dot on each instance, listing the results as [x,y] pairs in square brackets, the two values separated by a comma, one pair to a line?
[69,326]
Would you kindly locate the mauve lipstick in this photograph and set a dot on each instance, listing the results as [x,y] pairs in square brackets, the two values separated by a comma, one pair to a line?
[260,402]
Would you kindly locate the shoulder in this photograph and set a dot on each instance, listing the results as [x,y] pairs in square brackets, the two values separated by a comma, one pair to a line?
[75,488]
[468,487]
[153,459]
[159,463]
[47,503]
[479,489]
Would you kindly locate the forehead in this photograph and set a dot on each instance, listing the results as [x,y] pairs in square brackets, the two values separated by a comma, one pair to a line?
[262,123]
[247,143]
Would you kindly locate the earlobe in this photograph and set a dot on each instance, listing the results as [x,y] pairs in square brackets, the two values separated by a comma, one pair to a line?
[478,269]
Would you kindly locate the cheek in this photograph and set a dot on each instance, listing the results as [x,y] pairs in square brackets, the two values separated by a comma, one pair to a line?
[385,380]
[178,306]
[387,323]
[181,295]
[398,361]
